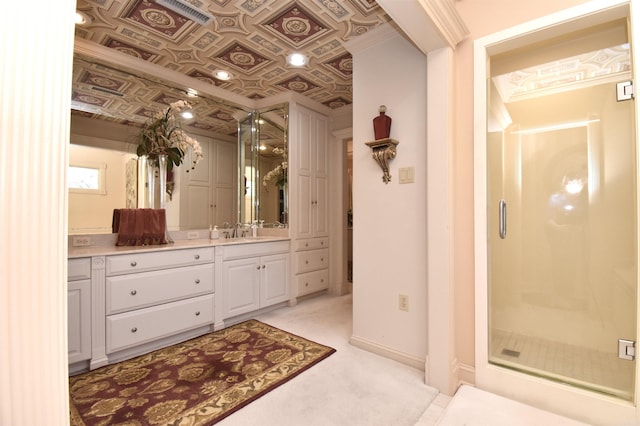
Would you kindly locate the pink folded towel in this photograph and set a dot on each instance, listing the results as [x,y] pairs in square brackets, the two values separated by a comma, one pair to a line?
[140,227]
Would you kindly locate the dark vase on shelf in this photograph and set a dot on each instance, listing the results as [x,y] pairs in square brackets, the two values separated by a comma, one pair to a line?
[382,124]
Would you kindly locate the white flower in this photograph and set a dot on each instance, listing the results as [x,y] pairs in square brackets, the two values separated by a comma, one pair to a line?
[280,171]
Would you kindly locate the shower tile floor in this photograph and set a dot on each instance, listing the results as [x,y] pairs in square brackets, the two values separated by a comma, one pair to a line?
[584,367]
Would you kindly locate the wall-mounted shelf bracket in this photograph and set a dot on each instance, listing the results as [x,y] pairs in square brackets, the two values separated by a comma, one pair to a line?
[383,150]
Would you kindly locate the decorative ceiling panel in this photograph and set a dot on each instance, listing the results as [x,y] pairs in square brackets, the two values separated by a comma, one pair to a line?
[250,38]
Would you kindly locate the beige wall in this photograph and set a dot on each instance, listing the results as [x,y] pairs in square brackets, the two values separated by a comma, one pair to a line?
[482,17]
[389,231]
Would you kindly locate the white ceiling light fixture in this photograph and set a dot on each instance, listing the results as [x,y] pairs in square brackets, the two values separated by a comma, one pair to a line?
[222,75]
[82,18]
[192,93]
[187,10]
[296,59]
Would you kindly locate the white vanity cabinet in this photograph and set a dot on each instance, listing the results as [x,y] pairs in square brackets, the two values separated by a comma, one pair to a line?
[152,295]
[79,309]
[254,276]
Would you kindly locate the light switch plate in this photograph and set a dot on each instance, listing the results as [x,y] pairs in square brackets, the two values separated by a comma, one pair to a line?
[407,175]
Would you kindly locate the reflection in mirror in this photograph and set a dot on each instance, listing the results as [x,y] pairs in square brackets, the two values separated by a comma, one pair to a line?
[110,106]
[263,154]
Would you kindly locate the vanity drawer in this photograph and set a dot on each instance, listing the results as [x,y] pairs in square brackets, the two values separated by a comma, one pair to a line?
[127,292]
[312,260]
[310,244]
[253,249]
[144,325]
[79,269]
[142,262]
[312,281]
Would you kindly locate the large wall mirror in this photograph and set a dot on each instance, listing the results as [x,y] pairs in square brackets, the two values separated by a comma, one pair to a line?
[110,105]
[263,158]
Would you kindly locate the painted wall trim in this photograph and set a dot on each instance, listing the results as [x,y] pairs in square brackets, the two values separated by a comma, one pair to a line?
[387,352]
[440,228]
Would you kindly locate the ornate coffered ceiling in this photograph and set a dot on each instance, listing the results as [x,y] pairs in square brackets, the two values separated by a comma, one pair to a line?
[249,38]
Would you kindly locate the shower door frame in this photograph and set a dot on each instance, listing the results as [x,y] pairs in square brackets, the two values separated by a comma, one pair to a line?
[546,394]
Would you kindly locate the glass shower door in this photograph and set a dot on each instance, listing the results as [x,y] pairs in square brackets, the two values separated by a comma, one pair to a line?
[561,173]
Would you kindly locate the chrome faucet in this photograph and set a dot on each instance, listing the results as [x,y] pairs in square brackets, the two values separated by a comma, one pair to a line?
[235,233]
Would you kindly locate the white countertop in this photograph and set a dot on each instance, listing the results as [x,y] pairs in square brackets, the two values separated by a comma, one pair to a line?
[111,249]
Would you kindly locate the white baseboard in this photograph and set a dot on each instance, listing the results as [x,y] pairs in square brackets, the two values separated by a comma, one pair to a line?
[466,374]
[387,352]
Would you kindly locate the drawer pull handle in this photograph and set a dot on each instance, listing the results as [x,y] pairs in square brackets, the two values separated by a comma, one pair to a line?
[321,243]
[197,313]
[197,280]
[134,264]
[306,245]
[322,259]
[134,292]
[197,256]
[306,284]
[264,266]
[306,261]
[134,329]
[322,280]
[258,267]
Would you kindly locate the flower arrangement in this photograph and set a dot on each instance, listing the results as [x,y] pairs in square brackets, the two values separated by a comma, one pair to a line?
[162,134]
[279,173]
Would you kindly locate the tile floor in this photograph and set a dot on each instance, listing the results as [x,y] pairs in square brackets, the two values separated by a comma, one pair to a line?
[583,366]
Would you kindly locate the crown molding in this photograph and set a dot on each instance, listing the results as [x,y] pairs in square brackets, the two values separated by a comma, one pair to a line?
[379,34]
[429,24]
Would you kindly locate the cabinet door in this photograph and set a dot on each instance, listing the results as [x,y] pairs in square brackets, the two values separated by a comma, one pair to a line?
[319,209]
[225,203]
[79,320]
[320,140]
[274,279]
[305,204]
[240,286]
[196,189]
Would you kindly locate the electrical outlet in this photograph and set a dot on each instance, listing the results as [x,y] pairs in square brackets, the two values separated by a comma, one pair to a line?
[81,241]
[193,235]
[403,302]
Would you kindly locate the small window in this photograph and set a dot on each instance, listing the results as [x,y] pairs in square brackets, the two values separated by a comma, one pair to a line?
[87,179]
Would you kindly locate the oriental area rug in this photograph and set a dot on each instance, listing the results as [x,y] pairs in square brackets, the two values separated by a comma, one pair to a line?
[198,382]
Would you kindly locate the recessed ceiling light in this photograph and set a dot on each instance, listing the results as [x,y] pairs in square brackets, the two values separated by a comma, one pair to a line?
[187,114]
[81,18]
[296,59]
[222,75]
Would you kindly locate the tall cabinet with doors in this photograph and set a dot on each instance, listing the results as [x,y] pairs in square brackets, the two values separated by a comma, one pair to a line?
[309,196]
[208,191]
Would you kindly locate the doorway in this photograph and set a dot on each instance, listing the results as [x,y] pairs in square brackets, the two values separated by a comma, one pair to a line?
[558,236]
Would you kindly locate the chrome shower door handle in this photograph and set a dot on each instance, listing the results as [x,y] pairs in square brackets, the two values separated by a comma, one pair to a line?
[502,212]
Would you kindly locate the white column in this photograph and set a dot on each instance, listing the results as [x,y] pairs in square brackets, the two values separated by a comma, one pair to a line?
[441,362]
[36,48]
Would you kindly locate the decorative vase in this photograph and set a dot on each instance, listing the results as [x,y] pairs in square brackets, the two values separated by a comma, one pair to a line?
[162,180]
[151,183]
[382,124]
[157,170]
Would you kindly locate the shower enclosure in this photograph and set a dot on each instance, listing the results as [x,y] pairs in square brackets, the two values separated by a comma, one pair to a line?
[561,211]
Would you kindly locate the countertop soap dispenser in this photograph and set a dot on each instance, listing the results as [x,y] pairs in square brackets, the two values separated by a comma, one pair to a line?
[254,229]
[214,234]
